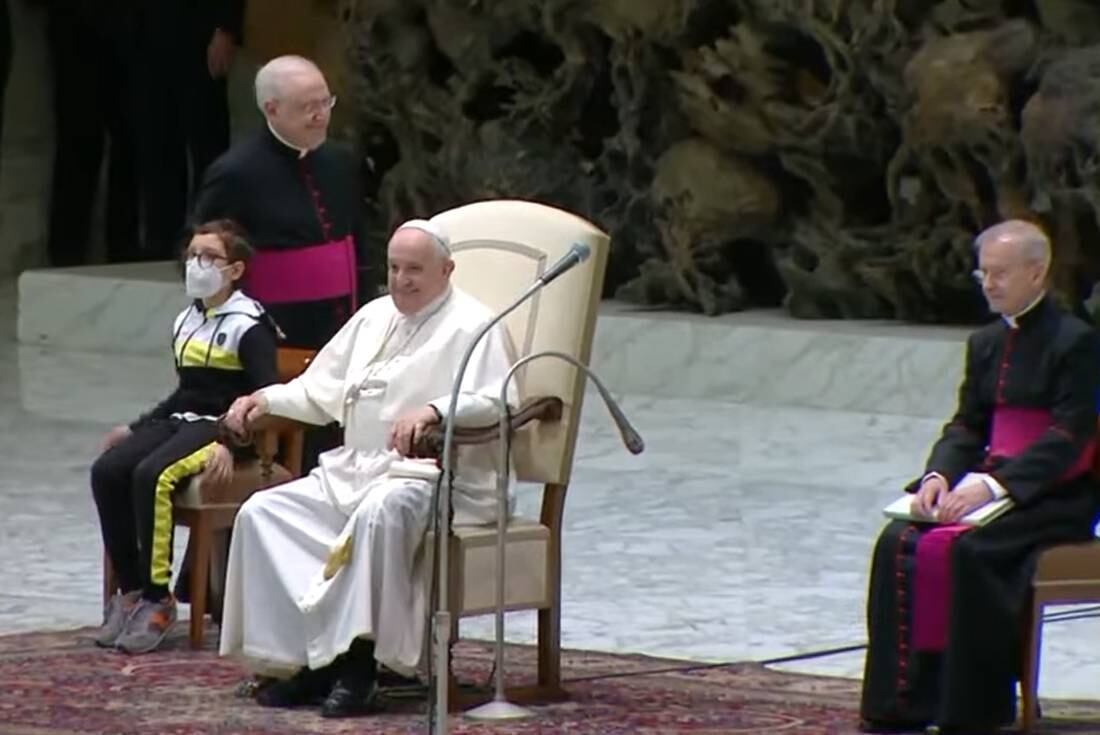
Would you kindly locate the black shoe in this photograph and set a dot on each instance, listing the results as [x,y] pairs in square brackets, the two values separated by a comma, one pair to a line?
[351,696]
[886,726]
[390,679]
[303,689]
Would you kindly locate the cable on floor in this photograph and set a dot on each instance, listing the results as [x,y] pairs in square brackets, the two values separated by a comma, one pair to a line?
[1057,617]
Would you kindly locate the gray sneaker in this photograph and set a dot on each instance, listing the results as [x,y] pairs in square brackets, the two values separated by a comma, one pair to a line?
[115,614]
[148,625]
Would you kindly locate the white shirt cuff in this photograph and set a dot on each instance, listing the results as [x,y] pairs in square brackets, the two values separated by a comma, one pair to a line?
[933,474]
[995,487]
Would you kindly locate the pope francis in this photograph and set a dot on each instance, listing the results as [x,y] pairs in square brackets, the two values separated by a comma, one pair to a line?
[327,574]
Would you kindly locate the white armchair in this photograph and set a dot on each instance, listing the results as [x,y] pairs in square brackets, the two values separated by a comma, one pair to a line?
[500,248]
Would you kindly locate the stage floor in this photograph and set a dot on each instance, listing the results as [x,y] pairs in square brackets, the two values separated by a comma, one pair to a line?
[741,534]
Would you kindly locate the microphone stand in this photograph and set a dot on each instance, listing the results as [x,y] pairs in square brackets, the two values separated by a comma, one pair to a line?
[441,621]
[500,708]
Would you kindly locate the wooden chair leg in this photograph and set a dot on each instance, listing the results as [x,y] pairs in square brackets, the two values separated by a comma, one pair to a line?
[455,703]
[110,579]
[219,553]
[549,665]
[1029,678]
[199,544]
[549,619]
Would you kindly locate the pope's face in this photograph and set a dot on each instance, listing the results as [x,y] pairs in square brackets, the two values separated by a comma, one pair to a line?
[418,271]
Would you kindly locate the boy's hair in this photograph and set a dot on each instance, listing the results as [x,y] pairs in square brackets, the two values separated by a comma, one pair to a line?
[232,235]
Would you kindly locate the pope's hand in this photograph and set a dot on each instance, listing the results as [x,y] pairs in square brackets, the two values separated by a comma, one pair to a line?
[245,411]
[928,496]
[407,430]
[219,465]
[964,499]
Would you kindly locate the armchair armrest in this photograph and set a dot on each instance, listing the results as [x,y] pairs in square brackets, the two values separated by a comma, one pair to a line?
[266,436]
[271,432]
[543,408]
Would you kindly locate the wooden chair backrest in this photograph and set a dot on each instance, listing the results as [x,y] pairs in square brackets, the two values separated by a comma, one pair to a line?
[290,362]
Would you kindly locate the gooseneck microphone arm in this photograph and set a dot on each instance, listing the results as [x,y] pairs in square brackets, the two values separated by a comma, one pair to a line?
[500,708]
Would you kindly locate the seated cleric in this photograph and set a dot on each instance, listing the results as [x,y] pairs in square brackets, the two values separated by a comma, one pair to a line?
[946,601]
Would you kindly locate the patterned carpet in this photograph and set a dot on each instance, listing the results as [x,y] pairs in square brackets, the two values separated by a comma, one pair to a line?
[52,683]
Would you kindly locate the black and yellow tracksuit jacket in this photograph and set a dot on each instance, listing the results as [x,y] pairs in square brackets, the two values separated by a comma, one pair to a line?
[220,354]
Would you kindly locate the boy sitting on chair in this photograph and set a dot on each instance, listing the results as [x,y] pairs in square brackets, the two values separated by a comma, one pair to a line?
[224,347]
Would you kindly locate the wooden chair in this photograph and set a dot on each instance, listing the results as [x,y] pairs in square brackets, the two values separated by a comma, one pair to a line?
[208,510]
[500,248]
[1065,575]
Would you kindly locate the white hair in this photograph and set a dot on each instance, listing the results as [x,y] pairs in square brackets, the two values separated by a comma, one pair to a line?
[1033,243]
[270,76]
[433,230]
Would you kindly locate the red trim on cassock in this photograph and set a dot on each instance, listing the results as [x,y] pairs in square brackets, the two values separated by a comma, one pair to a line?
[902,648]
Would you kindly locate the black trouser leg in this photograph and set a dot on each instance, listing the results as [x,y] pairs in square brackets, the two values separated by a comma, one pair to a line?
[162,152]
[164,177]
[111,475]
[120,115]
[360,662]
[154,480]
[206,112]
[78,112]
[991,572]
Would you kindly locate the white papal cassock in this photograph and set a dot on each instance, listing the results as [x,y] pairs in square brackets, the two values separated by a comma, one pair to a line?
[280,612]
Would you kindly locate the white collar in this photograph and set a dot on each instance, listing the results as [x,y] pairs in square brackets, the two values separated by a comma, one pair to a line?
[1013,320]
[302,152]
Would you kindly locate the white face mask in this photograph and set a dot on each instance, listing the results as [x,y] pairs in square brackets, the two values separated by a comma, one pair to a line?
[202,283]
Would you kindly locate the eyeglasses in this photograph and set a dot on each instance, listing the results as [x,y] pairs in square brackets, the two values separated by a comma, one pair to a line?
[315,107]
[206,260]
[982,276]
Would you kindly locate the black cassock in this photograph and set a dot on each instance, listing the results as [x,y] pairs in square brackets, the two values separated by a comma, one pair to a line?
[1039,379]
[304,217]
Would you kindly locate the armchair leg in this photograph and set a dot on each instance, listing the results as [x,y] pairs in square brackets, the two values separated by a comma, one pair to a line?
[549,651]
[455,702]
[199,545]
[549,619]
[1029,679]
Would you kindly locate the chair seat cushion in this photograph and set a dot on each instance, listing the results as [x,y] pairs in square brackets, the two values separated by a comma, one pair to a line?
[527,570]
[247,479]
[1069,562]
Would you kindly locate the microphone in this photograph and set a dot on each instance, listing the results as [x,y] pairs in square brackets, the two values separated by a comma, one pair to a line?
[631,438]
[576,255]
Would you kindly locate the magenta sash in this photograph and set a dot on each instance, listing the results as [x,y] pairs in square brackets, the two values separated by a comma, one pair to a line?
[310,273]
[932,587]
[1014,430]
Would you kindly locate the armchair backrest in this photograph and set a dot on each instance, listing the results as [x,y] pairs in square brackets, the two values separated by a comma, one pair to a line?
[500,247]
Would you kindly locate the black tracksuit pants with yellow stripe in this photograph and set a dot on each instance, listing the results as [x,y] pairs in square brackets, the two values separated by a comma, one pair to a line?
[133,483]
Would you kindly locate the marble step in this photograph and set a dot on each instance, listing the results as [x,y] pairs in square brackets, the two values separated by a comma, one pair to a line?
[756,358]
